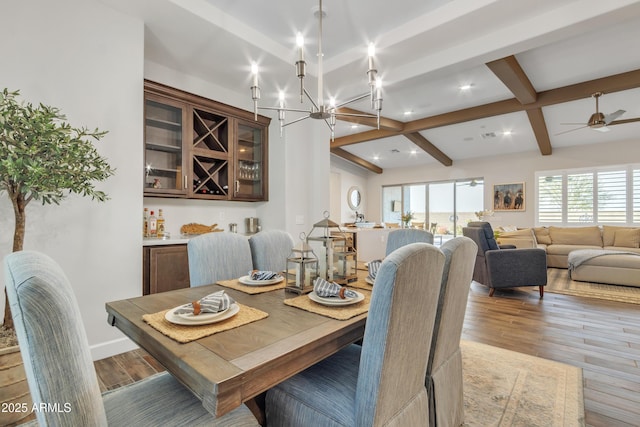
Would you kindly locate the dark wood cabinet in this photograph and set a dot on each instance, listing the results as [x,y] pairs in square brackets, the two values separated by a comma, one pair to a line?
[201,149]
[165,268]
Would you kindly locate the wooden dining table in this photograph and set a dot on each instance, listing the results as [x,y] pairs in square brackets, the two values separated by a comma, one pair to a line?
[236,366]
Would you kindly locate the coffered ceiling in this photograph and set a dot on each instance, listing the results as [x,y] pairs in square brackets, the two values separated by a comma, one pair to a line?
[531,66]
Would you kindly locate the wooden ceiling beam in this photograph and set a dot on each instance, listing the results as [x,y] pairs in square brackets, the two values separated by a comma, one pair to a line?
[509,71]
[539,126]
[615,83]
[385,122]
[357,160]
[429,148]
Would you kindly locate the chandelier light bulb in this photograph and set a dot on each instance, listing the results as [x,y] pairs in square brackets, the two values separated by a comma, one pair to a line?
[254,71]
[372,49]
[281,98]
[300,43]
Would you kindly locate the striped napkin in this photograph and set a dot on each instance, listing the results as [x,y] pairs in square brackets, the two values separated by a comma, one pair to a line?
[325,289]
[262,275]
[212,303]
[373,267]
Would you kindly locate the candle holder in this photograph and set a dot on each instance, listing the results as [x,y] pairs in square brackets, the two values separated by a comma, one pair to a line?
[337,257]
[302,268]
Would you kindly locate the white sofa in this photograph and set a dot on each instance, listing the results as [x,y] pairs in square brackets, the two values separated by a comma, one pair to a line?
[558,242]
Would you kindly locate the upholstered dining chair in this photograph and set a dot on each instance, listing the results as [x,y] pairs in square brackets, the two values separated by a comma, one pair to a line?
[382,381]
[444,371]
[58,362]
[498,267]
[218,256]
[398,238]
[270,249]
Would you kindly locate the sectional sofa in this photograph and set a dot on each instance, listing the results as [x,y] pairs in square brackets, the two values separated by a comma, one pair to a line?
[611,253]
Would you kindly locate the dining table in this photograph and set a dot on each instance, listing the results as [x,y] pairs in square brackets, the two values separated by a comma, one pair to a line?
[239,363]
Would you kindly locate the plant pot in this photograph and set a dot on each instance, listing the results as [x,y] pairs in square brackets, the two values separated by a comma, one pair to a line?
[15,399]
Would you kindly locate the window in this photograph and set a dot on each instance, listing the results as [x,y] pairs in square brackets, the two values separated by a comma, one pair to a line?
[442,207]
[589,196]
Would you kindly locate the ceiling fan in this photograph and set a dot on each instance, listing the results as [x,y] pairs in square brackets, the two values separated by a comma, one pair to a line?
[599,121]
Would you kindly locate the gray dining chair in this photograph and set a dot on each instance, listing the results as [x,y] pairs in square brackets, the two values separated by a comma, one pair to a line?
[404,236]
[218,256]
[59,367]
[270,249]
[444,371]
[382,381]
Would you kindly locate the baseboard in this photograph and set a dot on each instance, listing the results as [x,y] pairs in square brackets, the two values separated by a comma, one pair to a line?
[111,348]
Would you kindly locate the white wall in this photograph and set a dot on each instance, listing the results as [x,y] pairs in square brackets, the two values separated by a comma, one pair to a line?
[87,60]
[350,176]
[505,169]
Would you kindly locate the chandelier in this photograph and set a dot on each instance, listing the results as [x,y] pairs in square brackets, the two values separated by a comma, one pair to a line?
[319,110]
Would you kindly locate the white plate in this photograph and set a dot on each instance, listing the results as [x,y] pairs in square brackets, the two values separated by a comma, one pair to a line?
[336,301]
[246,280]
[369,280]
[201,319]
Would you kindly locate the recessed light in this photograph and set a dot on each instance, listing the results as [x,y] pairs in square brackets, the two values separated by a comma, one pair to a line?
[408,113]
[466,86]
[414,152]
[376,157]
[506,133]
[354,126]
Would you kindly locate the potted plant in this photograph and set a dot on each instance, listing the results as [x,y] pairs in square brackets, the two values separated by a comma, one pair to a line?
[406,218]
[43,158]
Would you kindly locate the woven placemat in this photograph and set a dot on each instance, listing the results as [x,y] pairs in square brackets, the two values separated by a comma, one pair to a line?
[339,313]
[235,284]
[185,334]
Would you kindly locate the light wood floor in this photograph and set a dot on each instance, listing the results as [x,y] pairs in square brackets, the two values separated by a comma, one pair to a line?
[601,337]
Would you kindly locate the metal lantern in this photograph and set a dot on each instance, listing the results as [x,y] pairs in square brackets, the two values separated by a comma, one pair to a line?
[302,268]
[337,257]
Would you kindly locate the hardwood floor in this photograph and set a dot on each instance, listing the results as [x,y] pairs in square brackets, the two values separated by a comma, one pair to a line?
[601,337]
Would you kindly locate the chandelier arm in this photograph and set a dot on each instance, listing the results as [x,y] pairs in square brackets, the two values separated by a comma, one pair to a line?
[357,98]
[299,119]
[311,99]
[290,110]
[368,116]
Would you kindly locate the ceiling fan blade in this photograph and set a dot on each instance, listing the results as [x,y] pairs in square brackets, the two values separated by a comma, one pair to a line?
[571,130]
[573,124]
[611,117]
[623,121]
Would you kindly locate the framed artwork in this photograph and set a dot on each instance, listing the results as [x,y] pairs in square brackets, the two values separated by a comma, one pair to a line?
[509,197]
[396,206]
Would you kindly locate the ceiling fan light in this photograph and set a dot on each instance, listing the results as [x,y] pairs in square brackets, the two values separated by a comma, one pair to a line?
[596,121]
[601,128]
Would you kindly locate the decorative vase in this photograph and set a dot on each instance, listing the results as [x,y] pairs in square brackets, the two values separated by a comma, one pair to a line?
[15,398]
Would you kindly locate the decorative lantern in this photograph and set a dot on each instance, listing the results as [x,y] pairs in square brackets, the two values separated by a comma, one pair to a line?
[336,256]
[302,268]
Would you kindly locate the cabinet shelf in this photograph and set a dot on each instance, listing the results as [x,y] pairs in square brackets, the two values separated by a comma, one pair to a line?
[156,146]
[166,124]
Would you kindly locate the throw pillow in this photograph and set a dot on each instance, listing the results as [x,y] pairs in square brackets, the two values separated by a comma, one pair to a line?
[609,232]
[629,238]
[542,235]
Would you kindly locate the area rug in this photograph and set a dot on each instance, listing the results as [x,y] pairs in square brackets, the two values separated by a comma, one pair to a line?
[505,388]
[558,282]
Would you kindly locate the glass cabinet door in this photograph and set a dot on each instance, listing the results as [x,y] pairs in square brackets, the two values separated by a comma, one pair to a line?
[250,168]
[163,155]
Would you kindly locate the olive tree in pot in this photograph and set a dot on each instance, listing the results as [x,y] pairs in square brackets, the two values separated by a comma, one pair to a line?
[44,158]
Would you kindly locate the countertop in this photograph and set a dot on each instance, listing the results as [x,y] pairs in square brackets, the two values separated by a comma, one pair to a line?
[181,240]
